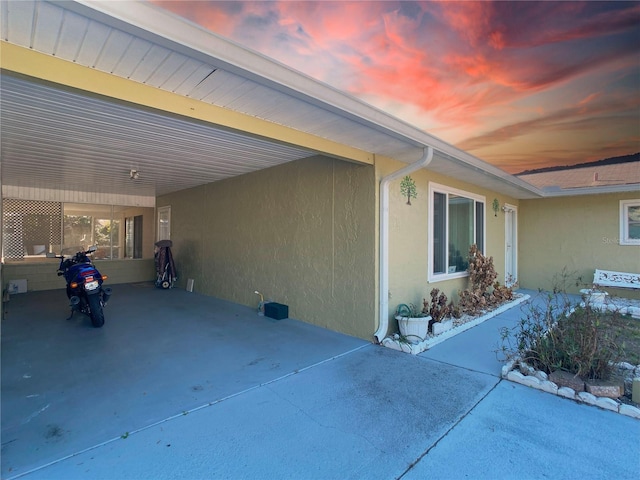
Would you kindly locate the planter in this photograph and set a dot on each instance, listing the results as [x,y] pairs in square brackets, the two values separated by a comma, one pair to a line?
[594,296]
[415,329]
[598,297]
[441,327]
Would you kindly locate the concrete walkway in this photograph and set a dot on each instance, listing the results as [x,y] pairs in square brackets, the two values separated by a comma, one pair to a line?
[182,386]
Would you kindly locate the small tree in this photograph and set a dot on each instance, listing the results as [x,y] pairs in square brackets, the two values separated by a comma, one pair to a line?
[408,189]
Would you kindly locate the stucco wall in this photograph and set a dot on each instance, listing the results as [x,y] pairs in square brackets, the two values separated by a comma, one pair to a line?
[301,233]
[41,274]
[578,233]
[408,237]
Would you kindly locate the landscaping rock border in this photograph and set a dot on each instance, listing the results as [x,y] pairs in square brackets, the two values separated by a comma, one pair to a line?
[539,380]
[603,302]
[395,343]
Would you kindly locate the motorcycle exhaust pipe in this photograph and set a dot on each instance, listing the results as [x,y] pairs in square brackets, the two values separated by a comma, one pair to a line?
[106,295]
[74,301]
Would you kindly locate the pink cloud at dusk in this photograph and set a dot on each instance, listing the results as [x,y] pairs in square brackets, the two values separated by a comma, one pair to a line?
[518,84]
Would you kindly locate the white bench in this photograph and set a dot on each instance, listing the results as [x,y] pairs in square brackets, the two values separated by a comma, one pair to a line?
[607,278]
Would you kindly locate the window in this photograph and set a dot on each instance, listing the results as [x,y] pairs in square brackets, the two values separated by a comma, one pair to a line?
[164,223]
[457,222]
[630,222]
[133,237]
[32,228]
[87,224]
[29,227]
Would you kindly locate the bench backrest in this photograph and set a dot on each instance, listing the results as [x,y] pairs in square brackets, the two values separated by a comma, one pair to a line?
[607,278]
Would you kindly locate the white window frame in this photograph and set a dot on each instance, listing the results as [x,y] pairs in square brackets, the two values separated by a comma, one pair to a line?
[439,188]
[163,210]
[624,224]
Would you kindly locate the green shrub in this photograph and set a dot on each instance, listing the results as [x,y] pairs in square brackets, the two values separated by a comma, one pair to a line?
[558,335]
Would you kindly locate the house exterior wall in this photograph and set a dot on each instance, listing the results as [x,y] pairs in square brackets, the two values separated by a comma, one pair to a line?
[301,233]
[579,234]
[409,237]
[41,274]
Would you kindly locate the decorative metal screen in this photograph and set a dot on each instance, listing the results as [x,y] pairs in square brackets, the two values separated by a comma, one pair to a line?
[30,227]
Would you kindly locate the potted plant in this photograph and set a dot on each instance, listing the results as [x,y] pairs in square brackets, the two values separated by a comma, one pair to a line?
[413,323]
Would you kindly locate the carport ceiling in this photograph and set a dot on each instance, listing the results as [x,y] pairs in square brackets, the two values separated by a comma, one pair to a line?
[62,138]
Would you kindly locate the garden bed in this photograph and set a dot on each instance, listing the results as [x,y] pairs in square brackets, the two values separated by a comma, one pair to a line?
[461,324]
[519,372]
[615,393]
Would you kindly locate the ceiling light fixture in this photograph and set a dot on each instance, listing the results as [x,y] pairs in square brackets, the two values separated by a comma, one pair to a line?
[134,174]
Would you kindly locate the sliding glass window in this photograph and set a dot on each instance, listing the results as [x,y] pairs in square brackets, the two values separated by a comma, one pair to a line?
[457,221]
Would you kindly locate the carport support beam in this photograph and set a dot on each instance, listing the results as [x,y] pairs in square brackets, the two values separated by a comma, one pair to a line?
[383,324]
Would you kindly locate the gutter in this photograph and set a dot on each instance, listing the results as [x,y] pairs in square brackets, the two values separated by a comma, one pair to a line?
[551,192]
[383,314]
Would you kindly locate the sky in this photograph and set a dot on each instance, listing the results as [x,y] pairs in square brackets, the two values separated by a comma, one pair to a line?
[520,85]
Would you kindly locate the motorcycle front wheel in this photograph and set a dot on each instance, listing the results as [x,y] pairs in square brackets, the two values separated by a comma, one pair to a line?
[95,310]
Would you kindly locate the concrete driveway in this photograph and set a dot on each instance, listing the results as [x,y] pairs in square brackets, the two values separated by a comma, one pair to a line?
[179,385]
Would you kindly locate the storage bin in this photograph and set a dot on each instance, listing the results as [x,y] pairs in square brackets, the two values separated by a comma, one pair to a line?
[275,310]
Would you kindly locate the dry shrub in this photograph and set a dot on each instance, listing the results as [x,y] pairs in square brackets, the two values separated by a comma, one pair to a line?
[438,308]
[484,291]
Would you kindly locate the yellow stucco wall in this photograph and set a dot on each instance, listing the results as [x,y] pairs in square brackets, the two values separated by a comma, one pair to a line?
[408,236]
[301,233]
[579,234]
[41,274]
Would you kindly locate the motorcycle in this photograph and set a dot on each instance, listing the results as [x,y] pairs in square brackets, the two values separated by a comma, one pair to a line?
[84,285]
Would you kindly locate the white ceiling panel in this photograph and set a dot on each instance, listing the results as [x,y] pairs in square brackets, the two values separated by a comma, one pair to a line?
[117,44]
[92,43]
[72,32]
[19,17]
[229,87]
[176,77]
[154,57]
[190,83]
[206,86]
[135,53]
[49,22]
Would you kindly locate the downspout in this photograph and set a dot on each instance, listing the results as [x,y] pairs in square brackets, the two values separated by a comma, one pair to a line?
[383,313]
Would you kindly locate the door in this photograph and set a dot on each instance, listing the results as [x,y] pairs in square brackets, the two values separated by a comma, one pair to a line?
[511,245]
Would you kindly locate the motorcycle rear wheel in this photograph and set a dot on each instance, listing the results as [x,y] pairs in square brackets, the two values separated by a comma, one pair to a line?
[95,310]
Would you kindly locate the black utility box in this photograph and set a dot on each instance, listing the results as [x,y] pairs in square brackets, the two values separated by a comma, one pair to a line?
[276,310]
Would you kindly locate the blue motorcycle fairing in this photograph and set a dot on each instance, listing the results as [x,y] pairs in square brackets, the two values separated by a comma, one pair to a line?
[78,273]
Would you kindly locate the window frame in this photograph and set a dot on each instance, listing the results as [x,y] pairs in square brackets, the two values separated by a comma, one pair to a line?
[446,190]
[624,224]
[164,214]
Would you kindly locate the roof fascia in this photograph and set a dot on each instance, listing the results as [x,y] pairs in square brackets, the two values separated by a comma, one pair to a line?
[550,192]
